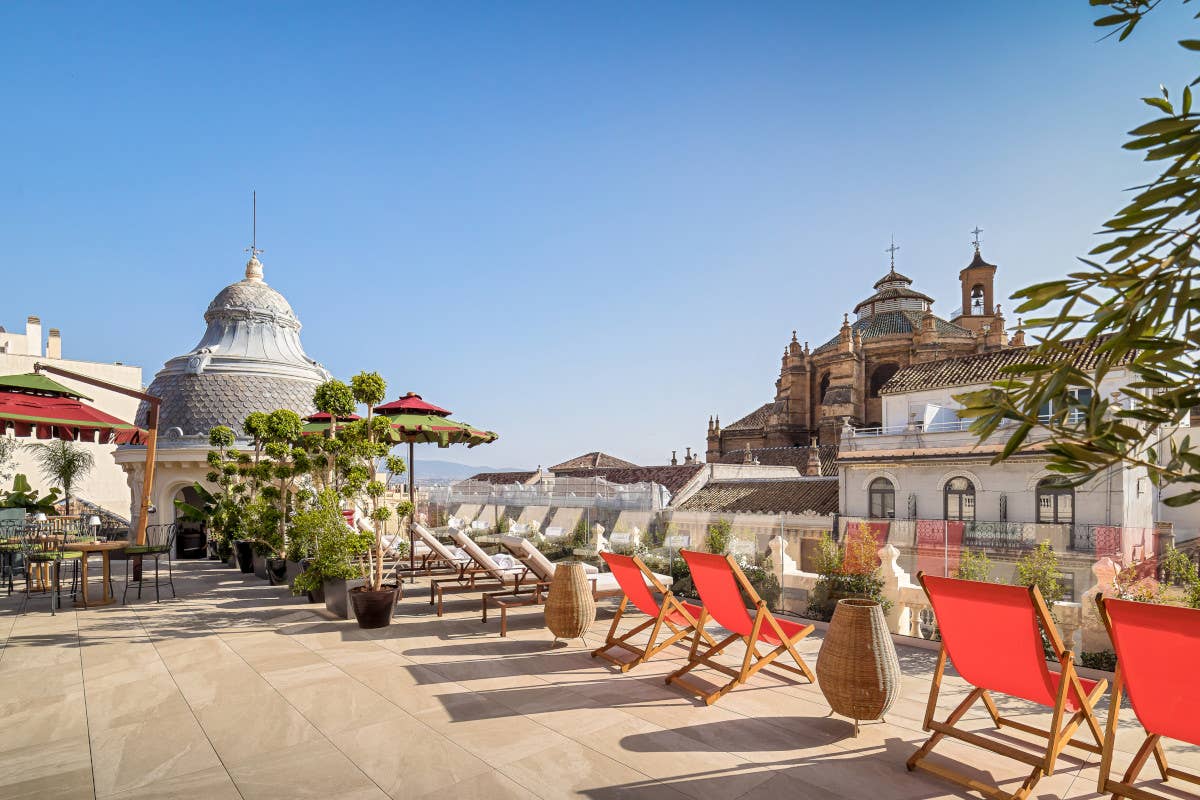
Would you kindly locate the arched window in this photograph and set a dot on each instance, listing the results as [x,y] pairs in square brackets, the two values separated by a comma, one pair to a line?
[882,374]
[960,499]
[882,495]
[977,300]
[1055,501]
[823,388]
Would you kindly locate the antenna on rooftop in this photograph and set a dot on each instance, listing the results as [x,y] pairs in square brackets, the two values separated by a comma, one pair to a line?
[253,248]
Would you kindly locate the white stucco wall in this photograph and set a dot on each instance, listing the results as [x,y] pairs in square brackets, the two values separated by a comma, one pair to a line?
[106,485]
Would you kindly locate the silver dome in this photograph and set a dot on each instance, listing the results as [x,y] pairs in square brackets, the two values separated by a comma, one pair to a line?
[249,359]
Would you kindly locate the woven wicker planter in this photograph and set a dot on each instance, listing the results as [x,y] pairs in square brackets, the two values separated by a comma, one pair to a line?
[570,607]
[857,668]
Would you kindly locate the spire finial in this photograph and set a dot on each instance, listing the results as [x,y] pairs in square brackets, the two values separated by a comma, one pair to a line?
[892,250]
[254,270]
[978,230]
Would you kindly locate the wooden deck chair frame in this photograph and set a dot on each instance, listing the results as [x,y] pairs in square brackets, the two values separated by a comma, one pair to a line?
[529,595]
[754,660]
[431,563]
[1058,735]
[667,605]
[1151,745]
[482,576]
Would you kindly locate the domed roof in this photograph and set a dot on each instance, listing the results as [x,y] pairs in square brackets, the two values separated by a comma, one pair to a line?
[249,359]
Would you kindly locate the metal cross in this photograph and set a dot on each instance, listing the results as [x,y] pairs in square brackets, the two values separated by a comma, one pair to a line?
[253,249]
[978,230]
[893,250]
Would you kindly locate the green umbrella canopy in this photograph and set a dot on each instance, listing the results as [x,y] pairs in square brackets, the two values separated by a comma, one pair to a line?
[419,429]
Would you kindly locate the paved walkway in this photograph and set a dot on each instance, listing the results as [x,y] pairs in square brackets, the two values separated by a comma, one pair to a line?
[237,689]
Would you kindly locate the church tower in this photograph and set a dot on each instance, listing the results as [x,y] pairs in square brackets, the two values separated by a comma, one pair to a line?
[978,280]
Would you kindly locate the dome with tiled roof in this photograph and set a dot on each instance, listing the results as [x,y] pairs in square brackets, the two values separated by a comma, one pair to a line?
[249,359]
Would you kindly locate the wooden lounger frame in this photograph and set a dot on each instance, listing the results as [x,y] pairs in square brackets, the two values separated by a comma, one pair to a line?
[667,604]
[753,661]
[1058,735]
[1151,744]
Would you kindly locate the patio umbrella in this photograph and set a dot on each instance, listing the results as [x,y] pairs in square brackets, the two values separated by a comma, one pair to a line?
[35,406]
[414,421]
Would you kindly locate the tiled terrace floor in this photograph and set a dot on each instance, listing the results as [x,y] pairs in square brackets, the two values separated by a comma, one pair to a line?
[237,689]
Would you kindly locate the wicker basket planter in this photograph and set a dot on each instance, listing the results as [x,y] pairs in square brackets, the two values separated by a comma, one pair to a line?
[857,668]
[570,607]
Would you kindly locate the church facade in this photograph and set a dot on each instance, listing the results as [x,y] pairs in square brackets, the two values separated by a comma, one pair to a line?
[821,390]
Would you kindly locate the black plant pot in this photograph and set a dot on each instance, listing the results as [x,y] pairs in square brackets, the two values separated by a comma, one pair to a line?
[317,595]
[245,555]
[277,571]
[212,550]
[374,609]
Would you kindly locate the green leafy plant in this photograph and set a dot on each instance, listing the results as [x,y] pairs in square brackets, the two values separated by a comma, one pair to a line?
[581,536]
[337,548]
[849,569]
[1039,568]
[716,539]
[1105,660]
[64,463]
[23,495]
[974,565]
[1134,304]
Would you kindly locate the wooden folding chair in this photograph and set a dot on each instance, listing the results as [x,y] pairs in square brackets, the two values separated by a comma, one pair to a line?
[721,582]
[1157,649]
[994,636]
[638,584]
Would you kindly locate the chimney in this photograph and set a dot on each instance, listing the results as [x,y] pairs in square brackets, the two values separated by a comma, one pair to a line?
[812,468]
[33,336]
[687,458]
[748,456]
[54,344]
[675,458]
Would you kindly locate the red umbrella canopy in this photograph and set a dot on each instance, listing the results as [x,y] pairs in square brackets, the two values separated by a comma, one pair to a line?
[411,403]
[34,405]
[324,416]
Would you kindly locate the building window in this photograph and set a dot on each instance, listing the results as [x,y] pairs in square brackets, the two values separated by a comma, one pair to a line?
[1055,502]
[882,374]
[977,296]
[1075,413]
[823,388]
[960,500]
[882,495]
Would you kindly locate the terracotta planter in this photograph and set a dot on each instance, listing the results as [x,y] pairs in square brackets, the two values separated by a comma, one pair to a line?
[857,668]
[570,606]
[374,609]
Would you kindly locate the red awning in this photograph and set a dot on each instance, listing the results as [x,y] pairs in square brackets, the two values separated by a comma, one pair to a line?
[62,418]
[411,403]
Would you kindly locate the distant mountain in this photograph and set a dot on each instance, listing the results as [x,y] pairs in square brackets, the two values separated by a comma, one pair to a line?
[435,471]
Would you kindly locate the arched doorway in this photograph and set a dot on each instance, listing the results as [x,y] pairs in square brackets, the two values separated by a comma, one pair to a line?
[191,540]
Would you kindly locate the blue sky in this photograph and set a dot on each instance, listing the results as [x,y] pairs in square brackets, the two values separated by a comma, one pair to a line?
[585,227]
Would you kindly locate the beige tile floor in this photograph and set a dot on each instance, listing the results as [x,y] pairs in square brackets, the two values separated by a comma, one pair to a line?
[237,689]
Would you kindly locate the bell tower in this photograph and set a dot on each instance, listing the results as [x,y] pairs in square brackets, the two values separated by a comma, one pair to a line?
[978,291]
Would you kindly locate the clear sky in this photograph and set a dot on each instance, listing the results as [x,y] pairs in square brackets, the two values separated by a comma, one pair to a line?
[584,227]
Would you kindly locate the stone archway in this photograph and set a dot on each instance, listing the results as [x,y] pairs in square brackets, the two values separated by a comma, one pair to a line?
[190,536]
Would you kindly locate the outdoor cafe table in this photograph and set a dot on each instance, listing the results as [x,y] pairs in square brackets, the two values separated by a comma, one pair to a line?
[105,550]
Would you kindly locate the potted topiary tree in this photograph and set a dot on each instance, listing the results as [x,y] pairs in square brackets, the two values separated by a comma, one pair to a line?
[337,550]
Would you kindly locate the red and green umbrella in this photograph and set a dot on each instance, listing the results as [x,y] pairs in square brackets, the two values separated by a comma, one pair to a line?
[35,406]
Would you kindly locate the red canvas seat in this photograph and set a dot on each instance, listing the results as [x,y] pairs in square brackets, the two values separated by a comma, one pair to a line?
[994,636]
[721,585]
[639,585]
[1157,649]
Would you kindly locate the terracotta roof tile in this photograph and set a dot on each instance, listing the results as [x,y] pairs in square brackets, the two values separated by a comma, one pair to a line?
[502,478]
[767,496]
[593,460]
[889,323]
[754,420]
[786,457]
[673,476]
[982,367]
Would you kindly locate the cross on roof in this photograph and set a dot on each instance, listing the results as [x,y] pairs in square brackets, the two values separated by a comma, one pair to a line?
[978,230]
[892,250]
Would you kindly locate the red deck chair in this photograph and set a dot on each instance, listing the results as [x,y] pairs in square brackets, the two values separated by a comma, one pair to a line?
[637,582]
[1157,649]
[721,583]
[993,634]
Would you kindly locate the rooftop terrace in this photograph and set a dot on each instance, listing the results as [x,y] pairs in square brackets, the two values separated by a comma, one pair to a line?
[237,689]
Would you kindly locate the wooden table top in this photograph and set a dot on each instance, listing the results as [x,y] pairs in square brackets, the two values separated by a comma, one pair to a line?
[96,547]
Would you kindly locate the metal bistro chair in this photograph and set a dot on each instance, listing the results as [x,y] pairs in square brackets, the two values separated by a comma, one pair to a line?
[160,539]
[44,554]
[12,559]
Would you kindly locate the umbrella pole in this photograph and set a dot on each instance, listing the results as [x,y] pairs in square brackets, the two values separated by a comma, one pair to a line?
[412,498]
